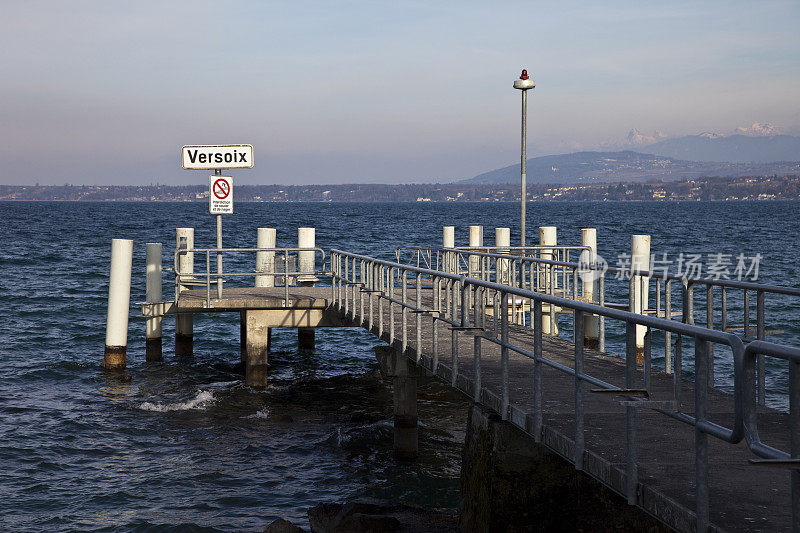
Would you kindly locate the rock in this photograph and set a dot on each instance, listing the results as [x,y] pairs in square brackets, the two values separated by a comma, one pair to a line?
[281,525]
[378,516]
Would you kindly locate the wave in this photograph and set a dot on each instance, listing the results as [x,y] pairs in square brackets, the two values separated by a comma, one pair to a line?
[200,401]
[263,413]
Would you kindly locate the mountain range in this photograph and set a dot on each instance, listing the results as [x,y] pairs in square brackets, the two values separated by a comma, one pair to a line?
[626,166]
[757,150]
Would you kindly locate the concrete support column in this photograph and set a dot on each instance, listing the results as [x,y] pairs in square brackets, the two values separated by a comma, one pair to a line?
[548,236]
[153,295]
[589,286]
[119,300]
[475,241]
[256,347]
[404,377]
[448,241]
[502,241]
[306,238]
[265,261]
[640,260]
[184,330]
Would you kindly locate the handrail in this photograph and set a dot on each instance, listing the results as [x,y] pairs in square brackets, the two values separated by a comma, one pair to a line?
[641,277]
[379,277]
[287,275]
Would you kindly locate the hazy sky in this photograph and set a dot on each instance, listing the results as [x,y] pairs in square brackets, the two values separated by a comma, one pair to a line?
[333,92]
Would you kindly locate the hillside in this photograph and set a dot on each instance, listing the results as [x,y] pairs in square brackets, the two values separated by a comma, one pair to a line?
[626,166]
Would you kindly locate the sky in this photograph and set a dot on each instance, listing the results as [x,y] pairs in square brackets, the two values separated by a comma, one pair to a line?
[99,92]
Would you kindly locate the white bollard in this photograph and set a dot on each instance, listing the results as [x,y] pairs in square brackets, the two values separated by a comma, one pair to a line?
[153,295]
[306,238]
[448,241]
[589,282]
[119,300]
[475,241]
[184,328]
[548,236]
[640,260]
[502,241]
[265,261]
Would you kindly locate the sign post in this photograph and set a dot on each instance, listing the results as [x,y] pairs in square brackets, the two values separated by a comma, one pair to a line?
[220,188]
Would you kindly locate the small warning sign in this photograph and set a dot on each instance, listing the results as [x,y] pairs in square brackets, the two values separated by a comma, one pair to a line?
[220,195]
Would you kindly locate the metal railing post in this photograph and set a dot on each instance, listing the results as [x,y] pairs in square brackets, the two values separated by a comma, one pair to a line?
[631,468]
[537,369]
[700,437]
[578,338]
[504,355]
[404,313]
[762,377]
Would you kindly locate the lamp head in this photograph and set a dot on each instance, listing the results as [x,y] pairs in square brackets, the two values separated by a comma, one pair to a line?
[524,82]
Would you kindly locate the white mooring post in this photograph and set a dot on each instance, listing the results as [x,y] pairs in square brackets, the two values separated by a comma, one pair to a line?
[119,300]
[640,260]
[265,261]
[502,241]
[475,241]
[448,241]
[153,295]
[306,238]
[589,282]
[184,331]
[548,236]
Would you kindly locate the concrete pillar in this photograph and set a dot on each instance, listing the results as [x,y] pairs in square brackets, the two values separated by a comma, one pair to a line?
[589,286]
[265,261]
[502,241]
[184,331]
[306,238]
[404,378]
[548,236]
[475,241]
[448,241]
[640,260]
[256,347]
[119,300]
[153,295]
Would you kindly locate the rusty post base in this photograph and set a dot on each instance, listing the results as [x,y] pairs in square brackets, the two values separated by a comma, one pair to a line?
[153,350]
[184,345]
[305,338]
[114,357]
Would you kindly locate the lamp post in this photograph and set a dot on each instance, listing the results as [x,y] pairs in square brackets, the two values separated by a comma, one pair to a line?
[523,84]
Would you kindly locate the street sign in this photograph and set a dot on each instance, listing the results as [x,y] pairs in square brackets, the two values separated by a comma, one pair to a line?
[220,195]
[217,157]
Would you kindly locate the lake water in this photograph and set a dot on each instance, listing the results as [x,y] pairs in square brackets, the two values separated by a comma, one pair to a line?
[183,445]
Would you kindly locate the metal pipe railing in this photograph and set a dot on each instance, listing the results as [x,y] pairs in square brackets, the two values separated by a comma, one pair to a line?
[457,315]
[184,279]
[663,284]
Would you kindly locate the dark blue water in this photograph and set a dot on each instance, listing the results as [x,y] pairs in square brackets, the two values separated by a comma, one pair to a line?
[183,444]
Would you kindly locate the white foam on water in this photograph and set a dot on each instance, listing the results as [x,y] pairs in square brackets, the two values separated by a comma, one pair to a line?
[263,413]
[200,401]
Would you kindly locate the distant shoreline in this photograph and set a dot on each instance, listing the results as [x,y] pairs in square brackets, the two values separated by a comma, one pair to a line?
[757,188]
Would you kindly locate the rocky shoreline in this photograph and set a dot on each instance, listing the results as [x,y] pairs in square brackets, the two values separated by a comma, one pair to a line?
[370,515]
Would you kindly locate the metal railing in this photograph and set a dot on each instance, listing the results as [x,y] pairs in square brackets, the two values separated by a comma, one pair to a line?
[544,275]
[459,302]
[283,261]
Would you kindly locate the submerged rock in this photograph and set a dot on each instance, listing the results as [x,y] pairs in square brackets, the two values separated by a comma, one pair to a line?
[378,516]
[281,525]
